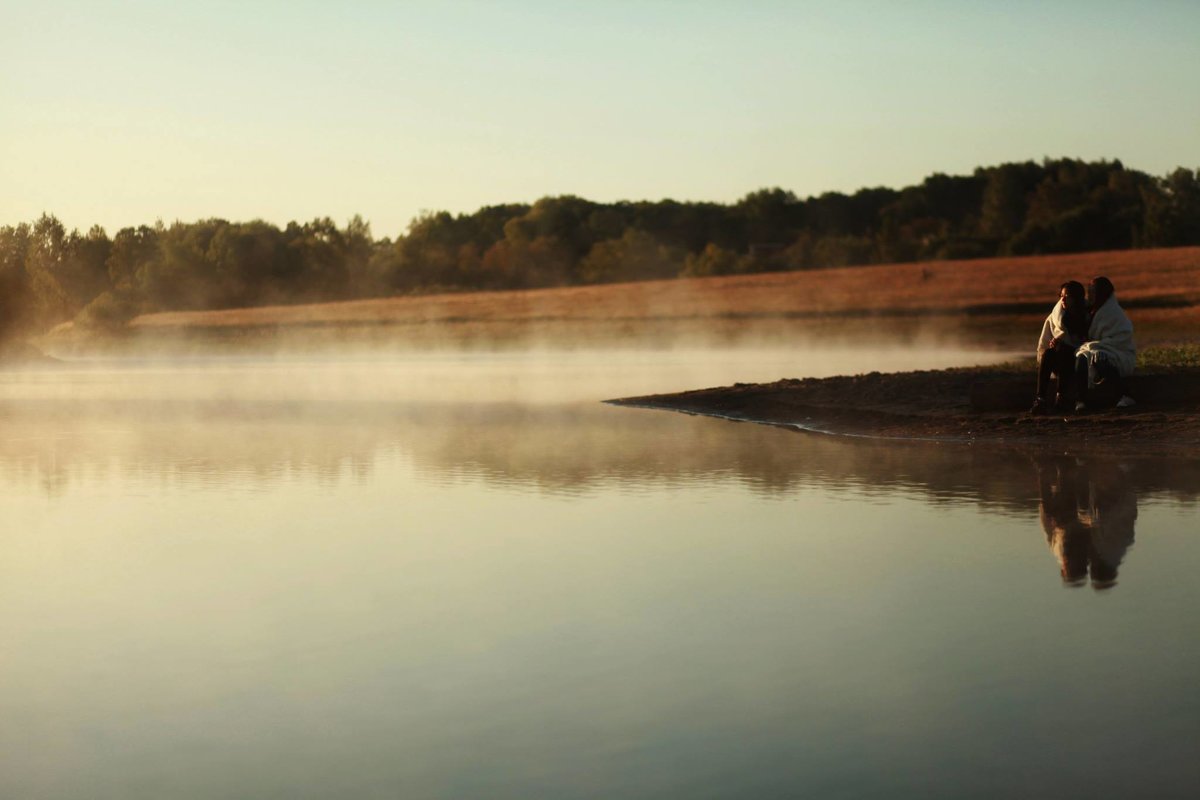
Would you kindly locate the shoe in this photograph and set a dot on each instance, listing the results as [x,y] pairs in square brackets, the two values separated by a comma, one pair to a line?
[1126,402]
[1080,407]
[1040,408]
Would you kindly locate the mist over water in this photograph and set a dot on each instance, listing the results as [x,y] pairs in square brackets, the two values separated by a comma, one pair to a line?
[461,575]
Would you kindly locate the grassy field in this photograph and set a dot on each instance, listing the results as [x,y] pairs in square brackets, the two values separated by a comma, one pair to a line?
[988,301]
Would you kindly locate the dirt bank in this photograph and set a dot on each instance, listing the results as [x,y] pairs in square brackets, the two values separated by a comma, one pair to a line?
[937,405]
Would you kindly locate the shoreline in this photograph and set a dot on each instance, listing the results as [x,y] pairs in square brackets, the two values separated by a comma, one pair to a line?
[937,406]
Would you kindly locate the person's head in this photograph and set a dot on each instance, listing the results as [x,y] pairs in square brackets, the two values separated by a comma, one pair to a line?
[1104,575]
[1071,295]
[1098,292]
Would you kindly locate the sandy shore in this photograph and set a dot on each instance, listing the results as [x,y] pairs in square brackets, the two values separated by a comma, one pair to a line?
[937,405]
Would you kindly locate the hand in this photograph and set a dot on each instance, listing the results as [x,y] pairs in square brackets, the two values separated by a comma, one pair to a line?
[1052,344]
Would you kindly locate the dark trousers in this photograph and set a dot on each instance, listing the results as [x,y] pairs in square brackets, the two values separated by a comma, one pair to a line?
[1060,361]
[1107,377]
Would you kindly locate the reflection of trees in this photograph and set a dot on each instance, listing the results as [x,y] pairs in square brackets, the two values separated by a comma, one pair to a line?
[1088,512]
[568,448]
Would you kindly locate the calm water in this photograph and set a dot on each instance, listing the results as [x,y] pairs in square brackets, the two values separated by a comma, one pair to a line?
[464,577]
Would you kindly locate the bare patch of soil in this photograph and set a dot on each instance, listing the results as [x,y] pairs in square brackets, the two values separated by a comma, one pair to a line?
[936,405]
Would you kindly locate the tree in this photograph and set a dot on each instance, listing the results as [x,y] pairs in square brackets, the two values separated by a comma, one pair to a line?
[1059,205]
[45,268]
[131,250]
[635,256]
[14,280]
[518,263]
[86,272]
[1172,214]
[770,216]
[1005,194]
[713,260]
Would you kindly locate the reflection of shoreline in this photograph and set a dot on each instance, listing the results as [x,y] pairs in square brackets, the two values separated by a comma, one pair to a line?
[1088,512]
[570,448]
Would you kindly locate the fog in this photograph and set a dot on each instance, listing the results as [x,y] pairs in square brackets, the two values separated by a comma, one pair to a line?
[528,375]
[520,418]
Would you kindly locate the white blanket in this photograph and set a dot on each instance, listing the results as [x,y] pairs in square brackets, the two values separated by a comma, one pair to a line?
[1110,338]
[1055,327]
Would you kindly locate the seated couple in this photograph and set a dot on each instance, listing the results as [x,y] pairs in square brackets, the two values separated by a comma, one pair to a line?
[1087,341]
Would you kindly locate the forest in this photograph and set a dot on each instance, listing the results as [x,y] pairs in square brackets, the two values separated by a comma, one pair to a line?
[49,275]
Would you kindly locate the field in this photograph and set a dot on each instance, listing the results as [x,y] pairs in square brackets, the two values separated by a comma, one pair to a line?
[988,301]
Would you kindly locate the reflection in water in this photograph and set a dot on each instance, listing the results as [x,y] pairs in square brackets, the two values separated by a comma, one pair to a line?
[570,448]
[518,419]
[1087,507]
[1088,511]
[211,587]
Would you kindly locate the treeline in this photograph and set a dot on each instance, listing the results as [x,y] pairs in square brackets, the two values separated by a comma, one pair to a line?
[48,274]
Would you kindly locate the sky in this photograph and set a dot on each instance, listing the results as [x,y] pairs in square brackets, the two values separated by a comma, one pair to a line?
[122,113]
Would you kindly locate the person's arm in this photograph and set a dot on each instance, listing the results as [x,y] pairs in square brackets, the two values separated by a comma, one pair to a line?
[1045,342]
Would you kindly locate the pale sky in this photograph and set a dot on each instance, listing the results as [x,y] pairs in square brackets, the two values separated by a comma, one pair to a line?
[120,113]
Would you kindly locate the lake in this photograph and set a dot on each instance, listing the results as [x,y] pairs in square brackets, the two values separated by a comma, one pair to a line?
[463,576]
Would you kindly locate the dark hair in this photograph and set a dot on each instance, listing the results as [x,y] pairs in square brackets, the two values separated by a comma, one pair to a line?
[1076,318]
[1074,290]
[1102,289]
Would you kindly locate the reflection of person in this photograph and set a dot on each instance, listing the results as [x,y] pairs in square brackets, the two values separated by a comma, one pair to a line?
[1111,516]
[1088,514]
[1063,331]
[1108,356]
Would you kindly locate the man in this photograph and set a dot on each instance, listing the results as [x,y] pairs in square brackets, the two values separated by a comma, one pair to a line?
[1063,331]
[1109,355]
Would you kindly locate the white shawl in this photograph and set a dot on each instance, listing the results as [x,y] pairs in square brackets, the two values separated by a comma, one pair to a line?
[1055,327]
[1110,338]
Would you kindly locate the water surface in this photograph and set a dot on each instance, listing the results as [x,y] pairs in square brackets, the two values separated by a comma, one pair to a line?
[462,576]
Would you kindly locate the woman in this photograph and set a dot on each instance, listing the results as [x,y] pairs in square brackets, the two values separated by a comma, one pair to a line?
[1063,331]
[1109,355]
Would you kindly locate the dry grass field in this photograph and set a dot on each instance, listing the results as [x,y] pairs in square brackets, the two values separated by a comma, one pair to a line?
[1000,301]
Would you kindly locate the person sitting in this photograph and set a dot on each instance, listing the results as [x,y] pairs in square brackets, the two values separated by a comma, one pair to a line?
[1063,331]
[1108,356]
